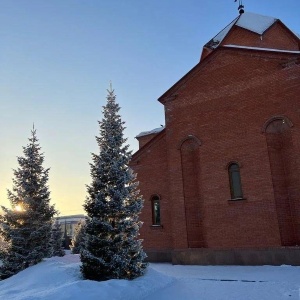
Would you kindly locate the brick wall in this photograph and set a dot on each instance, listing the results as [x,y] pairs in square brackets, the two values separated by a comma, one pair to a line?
[276,37]
[224,102]
[151,168]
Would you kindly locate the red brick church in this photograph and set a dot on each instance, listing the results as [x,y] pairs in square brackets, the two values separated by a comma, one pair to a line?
[221,180]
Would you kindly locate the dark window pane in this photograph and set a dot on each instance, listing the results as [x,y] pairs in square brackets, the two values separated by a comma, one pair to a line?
[69,229]
[234,167]
[235,181]
[236,184]
[156,210]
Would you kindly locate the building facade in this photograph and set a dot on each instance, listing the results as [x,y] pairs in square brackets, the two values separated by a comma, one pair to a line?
[68,225]
[224,172]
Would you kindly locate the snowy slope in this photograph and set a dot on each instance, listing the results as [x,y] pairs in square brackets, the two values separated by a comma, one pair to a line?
[59,278]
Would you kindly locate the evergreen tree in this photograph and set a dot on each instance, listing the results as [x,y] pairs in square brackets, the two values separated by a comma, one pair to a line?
[26,228]
[3,248]
[78,238]
[57,240]
[111,249]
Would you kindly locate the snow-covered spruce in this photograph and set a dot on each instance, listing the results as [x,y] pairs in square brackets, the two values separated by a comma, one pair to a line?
[26,228]
[111,249]
[57,240]
[78,238]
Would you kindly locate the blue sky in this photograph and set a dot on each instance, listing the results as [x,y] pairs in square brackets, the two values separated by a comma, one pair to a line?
[57,58]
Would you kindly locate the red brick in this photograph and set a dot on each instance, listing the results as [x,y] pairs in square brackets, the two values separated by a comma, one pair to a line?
[224,102]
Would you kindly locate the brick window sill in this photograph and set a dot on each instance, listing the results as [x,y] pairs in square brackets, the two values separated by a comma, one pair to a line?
[156,227]
[236,199]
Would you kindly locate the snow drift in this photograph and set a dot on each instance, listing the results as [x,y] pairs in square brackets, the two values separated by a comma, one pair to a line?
[59,278]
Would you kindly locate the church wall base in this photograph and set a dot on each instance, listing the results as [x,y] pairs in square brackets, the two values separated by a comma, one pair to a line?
[244,257]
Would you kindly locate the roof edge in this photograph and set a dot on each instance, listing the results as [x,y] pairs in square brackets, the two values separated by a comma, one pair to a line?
[211,43]
[164,97]
[153,131]
[261,49]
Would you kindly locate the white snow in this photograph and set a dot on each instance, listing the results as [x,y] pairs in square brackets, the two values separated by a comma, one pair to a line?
[262,49]
[155,130]
[59,278]
[255,22]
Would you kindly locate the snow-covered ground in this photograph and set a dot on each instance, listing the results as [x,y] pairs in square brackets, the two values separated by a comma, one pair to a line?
[59,278]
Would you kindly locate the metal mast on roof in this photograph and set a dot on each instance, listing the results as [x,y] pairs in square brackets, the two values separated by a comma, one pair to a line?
[241,7]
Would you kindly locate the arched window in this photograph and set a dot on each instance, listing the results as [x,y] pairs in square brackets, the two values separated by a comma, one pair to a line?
[155,203]
[235,181]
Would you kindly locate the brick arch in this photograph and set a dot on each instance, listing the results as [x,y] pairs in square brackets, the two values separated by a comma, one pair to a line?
[154,195]
[233,162]
[283,118]
[282,158]
[190,165]
[189,137]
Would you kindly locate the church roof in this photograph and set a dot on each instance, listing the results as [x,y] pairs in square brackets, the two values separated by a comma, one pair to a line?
[230,38]
[250,21]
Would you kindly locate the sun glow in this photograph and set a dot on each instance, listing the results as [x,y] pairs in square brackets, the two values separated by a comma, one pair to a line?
[18,207]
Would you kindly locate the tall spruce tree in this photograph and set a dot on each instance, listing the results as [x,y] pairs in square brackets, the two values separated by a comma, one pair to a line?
[26,228]
[111,249]
[78,238]
[57,240]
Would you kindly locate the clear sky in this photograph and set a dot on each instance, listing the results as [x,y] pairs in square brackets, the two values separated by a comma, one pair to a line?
[57,58]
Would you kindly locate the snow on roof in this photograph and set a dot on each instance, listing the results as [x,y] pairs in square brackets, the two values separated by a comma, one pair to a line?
[250,21]
[262,49]
[155,130]
[254,22]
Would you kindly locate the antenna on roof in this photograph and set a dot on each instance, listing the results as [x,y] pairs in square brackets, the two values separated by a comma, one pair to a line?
[241,7]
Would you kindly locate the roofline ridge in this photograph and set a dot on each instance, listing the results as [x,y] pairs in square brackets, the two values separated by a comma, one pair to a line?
[231,24]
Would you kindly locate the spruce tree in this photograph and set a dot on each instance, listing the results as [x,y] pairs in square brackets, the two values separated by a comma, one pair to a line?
[113,205]
[78,238]
[57,240]
[3,248]
[26,228]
